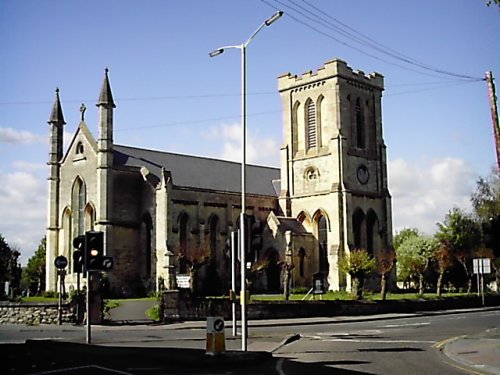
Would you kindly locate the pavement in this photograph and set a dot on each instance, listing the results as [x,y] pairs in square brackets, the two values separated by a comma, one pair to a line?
[478,354]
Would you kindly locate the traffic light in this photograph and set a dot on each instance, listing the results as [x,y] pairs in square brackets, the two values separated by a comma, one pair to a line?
[256,236]
[78,253]
[94,250]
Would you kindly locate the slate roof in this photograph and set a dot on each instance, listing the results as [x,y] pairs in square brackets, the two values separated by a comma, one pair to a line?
[200,172]
[290,224]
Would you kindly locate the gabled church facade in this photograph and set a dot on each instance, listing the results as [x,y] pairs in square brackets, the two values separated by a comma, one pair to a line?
[166,214]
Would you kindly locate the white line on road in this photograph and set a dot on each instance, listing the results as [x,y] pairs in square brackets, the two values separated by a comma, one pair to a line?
[373,340]
[406,325]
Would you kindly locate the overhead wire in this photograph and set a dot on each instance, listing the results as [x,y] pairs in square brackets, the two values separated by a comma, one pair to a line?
[305,16]
[179,123]
[141,98]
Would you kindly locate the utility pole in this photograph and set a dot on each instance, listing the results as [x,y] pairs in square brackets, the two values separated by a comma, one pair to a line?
[494,114]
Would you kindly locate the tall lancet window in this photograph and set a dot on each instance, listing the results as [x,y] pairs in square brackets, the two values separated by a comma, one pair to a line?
[78,205]
[360,125]
[311,128]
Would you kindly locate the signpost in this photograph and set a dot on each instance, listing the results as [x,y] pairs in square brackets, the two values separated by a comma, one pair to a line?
[480,267]
[61,262]
[215,335]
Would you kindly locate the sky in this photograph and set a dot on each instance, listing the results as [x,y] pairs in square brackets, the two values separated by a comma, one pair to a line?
[171,96]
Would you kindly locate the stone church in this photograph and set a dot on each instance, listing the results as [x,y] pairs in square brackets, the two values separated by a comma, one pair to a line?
[164,214]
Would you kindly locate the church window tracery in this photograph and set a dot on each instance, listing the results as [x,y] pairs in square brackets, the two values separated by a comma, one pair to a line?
[78,198]
[312,174]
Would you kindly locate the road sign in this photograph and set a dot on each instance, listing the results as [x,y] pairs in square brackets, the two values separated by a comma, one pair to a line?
[215,324]
[61,262]
[107,263]
[216,342]
[481,265]
[218,325]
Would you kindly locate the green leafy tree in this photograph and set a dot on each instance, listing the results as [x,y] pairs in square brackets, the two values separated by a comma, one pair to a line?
[10,269]
[358,263]
[486,209]
[486,198]
[414,257]
[462,234]
[34,273]
[403,234]
[443,258]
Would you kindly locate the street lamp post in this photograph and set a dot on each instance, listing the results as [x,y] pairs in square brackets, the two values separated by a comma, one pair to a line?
[217,52]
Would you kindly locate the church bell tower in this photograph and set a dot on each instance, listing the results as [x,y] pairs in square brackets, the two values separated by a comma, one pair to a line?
[333,164]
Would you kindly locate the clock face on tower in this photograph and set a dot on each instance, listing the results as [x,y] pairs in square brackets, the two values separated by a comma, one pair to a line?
[362,174]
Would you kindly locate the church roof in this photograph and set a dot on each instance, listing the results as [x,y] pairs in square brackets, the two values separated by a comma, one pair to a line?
[200,172]
[290,224]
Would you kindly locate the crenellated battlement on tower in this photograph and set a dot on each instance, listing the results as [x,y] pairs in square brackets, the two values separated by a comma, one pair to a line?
[333,68]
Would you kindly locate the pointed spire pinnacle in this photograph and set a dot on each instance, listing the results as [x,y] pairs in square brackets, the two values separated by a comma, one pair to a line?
[56,116]
[106,97]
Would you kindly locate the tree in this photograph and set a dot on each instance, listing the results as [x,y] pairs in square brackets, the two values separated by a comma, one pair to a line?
[414,256]
[358,263]
[443,258]
[403,234]
[486,209]
[34,273]
[385,264]
[10,270]
[463,235]
[486,198]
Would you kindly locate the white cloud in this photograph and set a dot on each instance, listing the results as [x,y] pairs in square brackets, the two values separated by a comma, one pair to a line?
[423,193]
[21,136]
[23,199]
[30,167]
[260,150]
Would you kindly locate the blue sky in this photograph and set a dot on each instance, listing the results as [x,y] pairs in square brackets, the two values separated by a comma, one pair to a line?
[171,96]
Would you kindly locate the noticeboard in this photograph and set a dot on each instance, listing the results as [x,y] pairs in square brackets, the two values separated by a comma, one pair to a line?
[183,281]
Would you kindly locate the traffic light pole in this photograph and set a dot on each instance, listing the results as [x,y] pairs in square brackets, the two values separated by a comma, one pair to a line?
[234,251]
[89,335]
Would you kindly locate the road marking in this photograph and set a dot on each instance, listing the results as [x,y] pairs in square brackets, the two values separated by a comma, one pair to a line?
[406,325]
[440,344]
[365,332]
[347,339]
[279,367]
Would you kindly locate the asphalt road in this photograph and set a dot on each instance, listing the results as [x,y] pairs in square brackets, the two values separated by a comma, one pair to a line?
[382,344]
[390,346]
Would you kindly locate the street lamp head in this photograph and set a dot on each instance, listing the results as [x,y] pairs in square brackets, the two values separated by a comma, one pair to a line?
[274,18]
[217,52]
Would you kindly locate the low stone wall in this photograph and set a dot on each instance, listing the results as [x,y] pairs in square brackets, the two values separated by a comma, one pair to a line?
[181,307]
[34,313]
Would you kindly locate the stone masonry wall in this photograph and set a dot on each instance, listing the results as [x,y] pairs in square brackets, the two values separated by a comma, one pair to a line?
[34,314]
